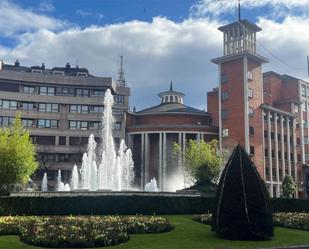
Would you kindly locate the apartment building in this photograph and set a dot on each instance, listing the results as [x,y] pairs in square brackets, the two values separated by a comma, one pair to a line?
[265,113]
[61,107]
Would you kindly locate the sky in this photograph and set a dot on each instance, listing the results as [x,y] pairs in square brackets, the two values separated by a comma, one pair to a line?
[161,40]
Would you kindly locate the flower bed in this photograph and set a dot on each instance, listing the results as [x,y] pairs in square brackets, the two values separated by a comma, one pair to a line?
[292,220]
[80,231]
[289,220]
[146,224]
[203,218]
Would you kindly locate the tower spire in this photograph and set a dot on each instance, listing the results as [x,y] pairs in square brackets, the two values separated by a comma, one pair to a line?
[171,86]
[121,78]
[239,13]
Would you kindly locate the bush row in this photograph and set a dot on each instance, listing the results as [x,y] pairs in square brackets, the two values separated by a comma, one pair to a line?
[105,205]
[125,205]
[292,220]
[289,220]
[80,231]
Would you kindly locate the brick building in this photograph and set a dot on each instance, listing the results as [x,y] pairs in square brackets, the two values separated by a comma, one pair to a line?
[151,133]
[61,107]
[266,113]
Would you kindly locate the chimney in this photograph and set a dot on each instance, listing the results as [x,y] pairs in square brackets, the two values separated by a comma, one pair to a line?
[17,64]
[67,66]
[43,66]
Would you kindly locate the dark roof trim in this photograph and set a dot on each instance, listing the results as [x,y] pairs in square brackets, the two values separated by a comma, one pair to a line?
[247,53]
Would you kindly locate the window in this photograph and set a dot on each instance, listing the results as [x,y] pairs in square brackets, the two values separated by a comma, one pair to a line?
[84,109]
[62,140]
[82,92]
[120,98]
[265,134]
[304,106]
[224,113]
[224,95]
[83,125]
[224,79]
[303,90]
[251,112]
[117,126]
[298,141]
[279,136]
[251,150]
[171,98]
[96,109]
[64,90]
[73,125]
[27,106]
[251,131]
[47,123]
[28,123]
[6,121]
[266,152]
[272,135]
[93,125]
[44,90]
[97,93]
[250,93]
[8,104]
[28,89]
[250,75]
[305,140]
[74,108]
[47,107]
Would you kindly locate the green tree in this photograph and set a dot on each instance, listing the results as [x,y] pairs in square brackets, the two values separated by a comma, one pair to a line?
[17,156]
[202,161]
[288,186]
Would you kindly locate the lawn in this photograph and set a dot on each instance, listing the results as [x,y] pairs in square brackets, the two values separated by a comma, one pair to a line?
[187,234]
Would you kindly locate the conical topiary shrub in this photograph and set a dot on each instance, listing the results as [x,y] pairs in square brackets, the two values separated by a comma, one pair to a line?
[242,202]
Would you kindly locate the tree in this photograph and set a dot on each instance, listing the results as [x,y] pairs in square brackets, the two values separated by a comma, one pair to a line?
[202,161]
[242,208]
[288,186]
[17,156]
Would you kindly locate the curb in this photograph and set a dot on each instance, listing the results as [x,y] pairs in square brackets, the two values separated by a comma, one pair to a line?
[289,247]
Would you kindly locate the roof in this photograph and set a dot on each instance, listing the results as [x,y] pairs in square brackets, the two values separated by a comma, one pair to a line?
[171,108]
[244,22]
[235,56]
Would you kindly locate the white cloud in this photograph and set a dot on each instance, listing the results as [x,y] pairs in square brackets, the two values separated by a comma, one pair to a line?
[215,8]
[157,52]
[14,19]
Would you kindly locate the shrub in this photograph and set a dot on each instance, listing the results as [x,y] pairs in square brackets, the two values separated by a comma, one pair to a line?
[292,220]
[241,205]
[290,205]
[80,231]
[203,218]
[146,224]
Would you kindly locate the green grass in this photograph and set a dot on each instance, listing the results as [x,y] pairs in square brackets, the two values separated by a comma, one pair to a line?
[187,234]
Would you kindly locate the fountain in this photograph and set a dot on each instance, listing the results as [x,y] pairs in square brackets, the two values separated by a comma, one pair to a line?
[152,186]
[44,186]
[113,172]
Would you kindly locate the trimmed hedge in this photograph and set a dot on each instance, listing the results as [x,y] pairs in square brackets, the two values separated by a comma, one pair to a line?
[126,205]
[290,205]
[105,205]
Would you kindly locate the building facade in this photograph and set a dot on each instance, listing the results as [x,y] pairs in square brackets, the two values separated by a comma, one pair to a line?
[61,107]
[265,113]
[153,131]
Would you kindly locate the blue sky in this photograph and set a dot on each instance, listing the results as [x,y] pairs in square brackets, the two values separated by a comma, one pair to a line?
[163,40]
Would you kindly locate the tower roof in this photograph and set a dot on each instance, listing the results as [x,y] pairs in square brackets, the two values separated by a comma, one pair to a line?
[243,22]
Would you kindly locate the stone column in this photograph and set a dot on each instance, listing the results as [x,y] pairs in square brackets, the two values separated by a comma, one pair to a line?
[289,144]
[147,179]
[142,161]
[164,162]
[160,161]
[270,163]
[276,154]
[282,147]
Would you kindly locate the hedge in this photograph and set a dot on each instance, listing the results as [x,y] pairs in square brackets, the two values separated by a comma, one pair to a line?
[126,205]
[105,205]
